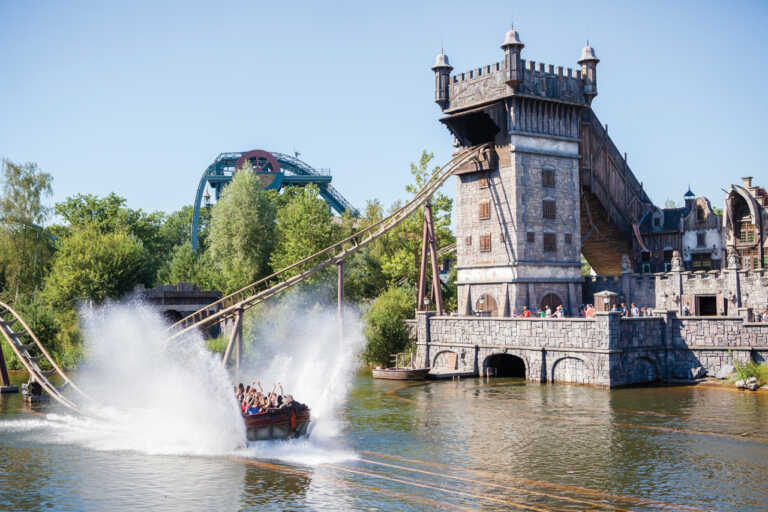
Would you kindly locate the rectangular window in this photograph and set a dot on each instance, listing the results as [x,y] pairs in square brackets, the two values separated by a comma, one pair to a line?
[531,237]
[646,268]
[701,239]
[549,209]
[485,210]
[568,238]
[548,178]
[755,262]
[485,243]
[502,238]
[702,261]
[747,233]
[484,181]
[550,242]
[468,240]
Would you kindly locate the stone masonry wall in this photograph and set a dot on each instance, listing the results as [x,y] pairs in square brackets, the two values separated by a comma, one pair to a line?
[607,350]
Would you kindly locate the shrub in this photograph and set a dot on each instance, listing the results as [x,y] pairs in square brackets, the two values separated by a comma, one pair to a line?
[744,371]
[385,328]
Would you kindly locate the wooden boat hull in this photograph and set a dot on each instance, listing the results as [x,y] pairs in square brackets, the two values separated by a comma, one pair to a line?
[400,373]
[278,424]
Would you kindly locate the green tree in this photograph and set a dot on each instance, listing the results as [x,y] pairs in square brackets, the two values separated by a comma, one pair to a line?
[110,215]
[385,330]
[304,226]
[177,227]
[25,247]
[402,248]
[242,232]
[92,265]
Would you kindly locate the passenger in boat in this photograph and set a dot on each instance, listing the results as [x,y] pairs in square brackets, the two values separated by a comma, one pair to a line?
[526,312]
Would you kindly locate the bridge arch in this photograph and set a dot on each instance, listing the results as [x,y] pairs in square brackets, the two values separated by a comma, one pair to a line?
[504,365]
[486,305]
[572,370]
[446,359]
[552,300]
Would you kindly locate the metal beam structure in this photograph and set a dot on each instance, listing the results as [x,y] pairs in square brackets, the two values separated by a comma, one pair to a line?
[275,170]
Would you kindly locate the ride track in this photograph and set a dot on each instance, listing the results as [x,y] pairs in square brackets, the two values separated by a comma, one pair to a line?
[235,303]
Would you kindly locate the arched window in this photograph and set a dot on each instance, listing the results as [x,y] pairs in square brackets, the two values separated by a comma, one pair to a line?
[743,227]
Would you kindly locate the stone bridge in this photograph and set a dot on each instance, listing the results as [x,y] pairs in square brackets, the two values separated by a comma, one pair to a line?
[606,350]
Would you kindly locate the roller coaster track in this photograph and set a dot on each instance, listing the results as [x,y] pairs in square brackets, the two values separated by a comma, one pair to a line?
[245,298]
[10,320]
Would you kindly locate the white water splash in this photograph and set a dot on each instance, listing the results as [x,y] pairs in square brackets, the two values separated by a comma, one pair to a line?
[159,397]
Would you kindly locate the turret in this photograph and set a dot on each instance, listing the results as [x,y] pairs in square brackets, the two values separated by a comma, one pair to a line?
[588,62]
[689,198]
[514,67]
[442,69]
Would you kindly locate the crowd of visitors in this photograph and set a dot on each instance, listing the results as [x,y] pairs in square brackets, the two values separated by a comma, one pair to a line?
[585,311]
[255,401]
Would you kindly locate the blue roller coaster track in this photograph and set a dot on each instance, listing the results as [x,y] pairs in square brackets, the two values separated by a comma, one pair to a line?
[275,170]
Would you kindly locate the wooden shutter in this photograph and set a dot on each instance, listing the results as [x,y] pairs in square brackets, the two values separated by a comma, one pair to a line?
[485,210]
[485,243]
[550,242]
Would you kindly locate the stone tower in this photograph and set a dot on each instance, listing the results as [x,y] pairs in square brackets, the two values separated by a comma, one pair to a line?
[518,219]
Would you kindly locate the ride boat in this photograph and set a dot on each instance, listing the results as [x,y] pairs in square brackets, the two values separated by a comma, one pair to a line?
[288,422]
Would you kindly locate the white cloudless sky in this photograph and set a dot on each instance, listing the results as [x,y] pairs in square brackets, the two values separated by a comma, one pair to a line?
[139,98]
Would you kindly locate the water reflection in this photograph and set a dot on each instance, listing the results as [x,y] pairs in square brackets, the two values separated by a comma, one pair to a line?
[490,445]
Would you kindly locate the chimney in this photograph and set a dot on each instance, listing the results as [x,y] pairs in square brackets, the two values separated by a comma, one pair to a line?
[746,181]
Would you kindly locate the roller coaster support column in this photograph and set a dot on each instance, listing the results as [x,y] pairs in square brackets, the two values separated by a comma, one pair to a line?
[423,267]
[428,242]
[433,253]
[6,384]
[235,339]
[340,296]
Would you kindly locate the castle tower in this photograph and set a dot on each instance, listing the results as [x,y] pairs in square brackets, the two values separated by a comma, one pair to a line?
[442,69]
[588,63]
[518,223]
[512,49]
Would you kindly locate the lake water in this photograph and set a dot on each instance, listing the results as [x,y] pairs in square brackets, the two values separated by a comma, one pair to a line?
[499,444]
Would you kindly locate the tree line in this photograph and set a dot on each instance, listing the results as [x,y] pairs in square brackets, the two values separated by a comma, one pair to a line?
[89,249]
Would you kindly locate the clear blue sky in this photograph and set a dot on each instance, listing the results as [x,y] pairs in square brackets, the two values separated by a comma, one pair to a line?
[139,99]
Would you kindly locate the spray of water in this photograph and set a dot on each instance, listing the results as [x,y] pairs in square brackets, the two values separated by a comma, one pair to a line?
[162,397]
[301,349]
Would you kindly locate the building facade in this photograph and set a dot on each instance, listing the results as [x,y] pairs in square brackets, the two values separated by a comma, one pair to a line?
[693,230]
[745,225]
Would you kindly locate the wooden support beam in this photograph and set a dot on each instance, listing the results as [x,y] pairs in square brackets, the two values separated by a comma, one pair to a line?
[234,340]
[433,254]
[423,267]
